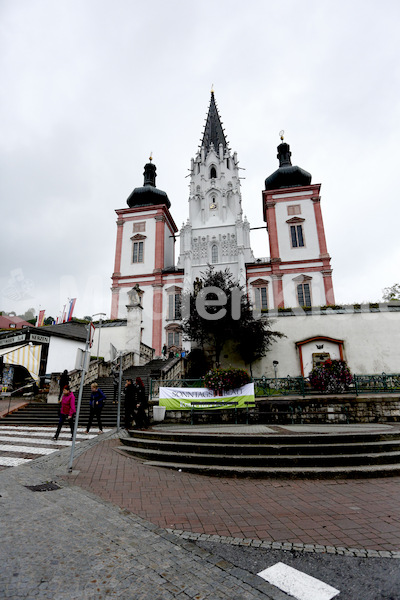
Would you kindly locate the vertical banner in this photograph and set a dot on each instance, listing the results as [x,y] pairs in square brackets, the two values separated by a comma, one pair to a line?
[71,308]
[40,320]
[92,330]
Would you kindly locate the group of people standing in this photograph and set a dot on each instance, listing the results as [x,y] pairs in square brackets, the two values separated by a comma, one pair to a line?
[135,405]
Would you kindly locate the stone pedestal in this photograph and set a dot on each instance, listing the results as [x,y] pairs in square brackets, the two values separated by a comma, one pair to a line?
[134,323]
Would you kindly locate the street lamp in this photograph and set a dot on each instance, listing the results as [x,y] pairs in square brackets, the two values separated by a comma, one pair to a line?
[98,341]
[275,363]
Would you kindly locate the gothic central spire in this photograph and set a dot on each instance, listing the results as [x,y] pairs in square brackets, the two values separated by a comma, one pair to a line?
[213,130]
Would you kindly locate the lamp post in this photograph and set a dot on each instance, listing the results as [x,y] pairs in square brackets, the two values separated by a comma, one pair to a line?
[98,341]
[84,368]
[275,363]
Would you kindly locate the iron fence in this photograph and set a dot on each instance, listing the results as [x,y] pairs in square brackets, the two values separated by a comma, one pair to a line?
[299,386]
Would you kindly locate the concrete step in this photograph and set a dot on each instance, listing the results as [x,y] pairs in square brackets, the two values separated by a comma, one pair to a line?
[262,449]
[268,454]
[292,472]
[316,460]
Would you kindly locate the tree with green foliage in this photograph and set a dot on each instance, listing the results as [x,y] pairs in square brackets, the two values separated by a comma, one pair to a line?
[391,293]
[218,311]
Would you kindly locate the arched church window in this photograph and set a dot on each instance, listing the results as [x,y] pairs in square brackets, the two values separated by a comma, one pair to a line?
[214,253]
[228,164]
[213,173]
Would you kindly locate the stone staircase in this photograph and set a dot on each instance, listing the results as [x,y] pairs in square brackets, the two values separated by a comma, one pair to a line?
[42,414]
[269,455]
[151,370]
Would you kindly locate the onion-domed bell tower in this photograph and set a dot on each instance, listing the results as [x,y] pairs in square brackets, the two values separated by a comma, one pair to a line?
[300,263]
[216,232]
[144,257]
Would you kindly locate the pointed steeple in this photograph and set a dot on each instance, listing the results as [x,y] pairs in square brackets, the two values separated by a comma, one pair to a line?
[213,130]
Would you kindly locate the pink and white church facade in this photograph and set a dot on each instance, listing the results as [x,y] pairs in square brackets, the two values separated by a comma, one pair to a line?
[297,273]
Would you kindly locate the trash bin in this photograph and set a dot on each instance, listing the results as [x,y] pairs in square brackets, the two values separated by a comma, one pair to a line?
[158,413]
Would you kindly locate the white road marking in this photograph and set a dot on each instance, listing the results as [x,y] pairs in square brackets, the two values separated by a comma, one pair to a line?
[298,584]
[42,441]
[40,434]
[7,461]
[15,428]
[35,435]
[26,449]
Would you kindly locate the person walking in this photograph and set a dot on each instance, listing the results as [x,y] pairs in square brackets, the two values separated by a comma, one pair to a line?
[141,418]
[67,411]
[130,405]
[63,381]
[97,399]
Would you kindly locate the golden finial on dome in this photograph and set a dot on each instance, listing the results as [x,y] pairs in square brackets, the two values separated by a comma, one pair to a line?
[281,134]
[151,156]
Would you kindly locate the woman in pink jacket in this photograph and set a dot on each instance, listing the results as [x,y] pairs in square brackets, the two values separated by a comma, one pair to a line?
[67,411]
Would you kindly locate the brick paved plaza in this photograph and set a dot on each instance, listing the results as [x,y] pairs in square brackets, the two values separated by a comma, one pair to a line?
[118,528]
[360,513]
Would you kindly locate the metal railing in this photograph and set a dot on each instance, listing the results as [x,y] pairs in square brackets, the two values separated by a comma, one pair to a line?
[155,384]
[299,386]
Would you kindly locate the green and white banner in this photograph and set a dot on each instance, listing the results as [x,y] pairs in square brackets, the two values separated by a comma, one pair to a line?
[174,398]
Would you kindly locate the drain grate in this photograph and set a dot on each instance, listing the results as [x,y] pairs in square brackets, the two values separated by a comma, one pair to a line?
[43,487]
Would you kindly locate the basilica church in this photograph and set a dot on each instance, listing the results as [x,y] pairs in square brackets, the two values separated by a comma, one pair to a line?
[149,275]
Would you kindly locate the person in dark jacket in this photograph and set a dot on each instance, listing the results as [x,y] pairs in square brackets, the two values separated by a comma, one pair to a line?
[130,403]
[97,399]
[63,381]
[141,418]
[67,411]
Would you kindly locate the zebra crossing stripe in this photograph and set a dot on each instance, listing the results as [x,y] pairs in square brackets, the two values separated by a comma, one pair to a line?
[9,435]
[8,461]
[39,441]
[28,429]
[26,449]
[299,585]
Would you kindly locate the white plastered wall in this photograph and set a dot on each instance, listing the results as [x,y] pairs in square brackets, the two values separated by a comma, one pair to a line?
[62,354]
[371,342]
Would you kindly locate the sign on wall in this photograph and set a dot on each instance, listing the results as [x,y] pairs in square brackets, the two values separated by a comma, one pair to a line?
[174,398]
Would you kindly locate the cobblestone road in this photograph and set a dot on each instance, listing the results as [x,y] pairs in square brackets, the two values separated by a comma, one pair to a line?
[69,544]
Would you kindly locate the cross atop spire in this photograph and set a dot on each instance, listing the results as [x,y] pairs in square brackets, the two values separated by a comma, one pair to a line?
[213,130]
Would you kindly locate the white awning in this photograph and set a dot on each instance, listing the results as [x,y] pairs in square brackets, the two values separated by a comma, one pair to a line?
[27,356]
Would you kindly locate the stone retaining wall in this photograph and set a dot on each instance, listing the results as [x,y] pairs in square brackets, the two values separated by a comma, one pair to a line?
[352,409]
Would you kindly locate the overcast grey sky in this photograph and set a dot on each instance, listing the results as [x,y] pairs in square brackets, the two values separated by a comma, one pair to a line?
[90,87]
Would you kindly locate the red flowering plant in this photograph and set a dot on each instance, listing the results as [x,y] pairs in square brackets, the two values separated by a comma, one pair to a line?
[225,379]
[331,376]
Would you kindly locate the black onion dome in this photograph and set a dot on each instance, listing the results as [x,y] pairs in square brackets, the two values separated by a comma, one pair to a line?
[148,194]
[286,175]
